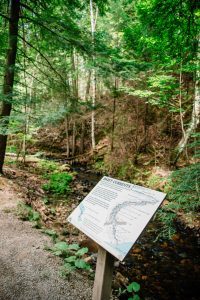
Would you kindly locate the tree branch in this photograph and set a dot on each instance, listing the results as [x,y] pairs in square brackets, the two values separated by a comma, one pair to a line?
[44,57]
[70,41]
[22,69]
[31,60]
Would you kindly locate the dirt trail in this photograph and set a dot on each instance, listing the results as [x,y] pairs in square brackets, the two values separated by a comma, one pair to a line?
[27,271]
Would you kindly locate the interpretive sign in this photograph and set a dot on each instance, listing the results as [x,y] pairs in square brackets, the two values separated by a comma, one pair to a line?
[115,213]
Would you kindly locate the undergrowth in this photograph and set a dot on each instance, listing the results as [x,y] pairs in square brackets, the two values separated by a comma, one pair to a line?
[72,255]
[58,183]
[27,213]
[183,190]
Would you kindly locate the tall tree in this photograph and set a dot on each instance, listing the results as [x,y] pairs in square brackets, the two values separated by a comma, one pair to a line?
[93,20]
[9,75]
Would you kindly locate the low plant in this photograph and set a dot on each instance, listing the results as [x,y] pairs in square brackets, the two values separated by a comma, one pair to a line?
[154,181]
[72,255]
[131,290]
[58,183]
[100,166]
[27,213]
[48,166]
[51,233]
[183,190]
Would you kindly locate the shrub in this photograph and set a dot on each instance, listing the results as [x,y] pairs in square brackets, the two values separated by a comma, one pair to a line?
[27,213]
[183,194]
[72,255]
[58,183]
[48,166]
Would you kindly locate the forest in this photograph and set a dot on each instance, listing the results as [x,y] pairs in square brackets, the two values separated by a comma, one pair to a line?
[93,88]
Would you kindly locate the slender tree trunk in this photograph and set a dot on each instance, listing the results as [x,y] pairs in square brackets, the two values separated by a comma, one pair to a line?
[87,92]
[93,19]
[146,125]
[195,118]
[83,123]
[82,144]
[113,115]
[9,75]
[136,133]
[180,100]
[74,61]
[67,136]
[25,105]
[74,139]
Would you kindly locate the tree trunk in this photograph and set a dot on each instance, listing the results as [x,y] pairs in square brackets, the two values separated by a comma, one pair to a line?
[195,119]
[93,19]
[74,139]
[9,75]
[82,143]
[113,114]
[67,136]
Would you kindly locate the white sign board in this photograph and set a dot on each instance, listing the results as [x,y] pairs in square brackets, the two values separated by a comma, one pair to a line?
[115,213]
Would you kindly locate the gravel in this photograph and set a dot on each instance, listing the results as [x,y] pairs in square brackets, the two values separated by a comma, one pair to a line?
[27,271]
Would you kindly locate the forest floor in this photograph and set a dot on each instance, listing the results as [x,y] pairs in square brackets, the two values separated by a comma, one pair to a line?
[27,271]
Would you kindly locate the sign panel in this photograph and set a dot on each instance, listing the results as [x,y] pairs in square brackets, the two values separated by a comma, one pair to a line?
[115,213]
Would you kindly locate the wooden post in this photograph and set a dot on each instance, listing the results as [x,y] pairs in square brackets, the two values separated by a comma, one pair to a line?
[103,275]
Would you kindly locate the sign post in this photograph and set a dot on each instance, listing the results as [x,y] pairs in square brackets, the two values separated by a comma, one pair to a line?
[103,275]
[114,214]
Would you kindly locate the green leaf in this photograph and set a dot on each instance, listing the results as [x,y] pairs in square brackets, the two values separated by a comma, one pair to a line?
[57,253]
[67,269]
[81,264]
[136,297]
[70,259]
[74,247]
[36,216]
[50,232]
[133,287]
[82,251]
[62,246]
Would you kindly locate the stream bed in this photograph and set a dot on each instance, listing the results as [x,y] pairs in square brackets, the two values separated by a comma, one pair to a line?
[165,269]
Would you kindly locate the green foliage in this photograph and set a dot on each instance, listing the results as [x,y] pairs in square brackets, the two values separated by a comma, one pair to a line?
[183,193]
[48,166]
[133,288]
[72,255]
[154,180]
[26,213]
[58,183]
[185,188]
[51,233]
[100,166]
[195,144]
[11,149]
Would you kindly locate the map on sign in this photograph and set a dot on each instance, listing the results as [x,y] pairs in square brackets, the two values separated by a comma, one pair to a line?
[115,213]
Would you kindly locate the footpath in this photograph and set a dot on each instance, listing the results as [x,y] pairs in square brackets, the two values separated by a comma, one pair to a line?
[27,271]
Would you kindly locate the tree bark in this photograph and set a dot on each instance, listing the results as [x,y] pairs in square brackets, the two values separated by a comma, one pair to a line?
[82,143]
[113,115]
[74,139]
[93,20]
[67,136]
[9,76]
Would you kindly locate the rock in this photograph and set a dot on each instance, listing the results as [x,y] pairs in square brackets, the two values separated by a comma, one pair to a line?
[120,280]
[64,168]
[136,250]
[116,264]
[88,259]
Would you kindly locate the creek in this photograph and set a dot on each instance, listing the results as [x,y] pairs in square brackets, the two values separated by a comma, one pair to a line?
[165,269]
